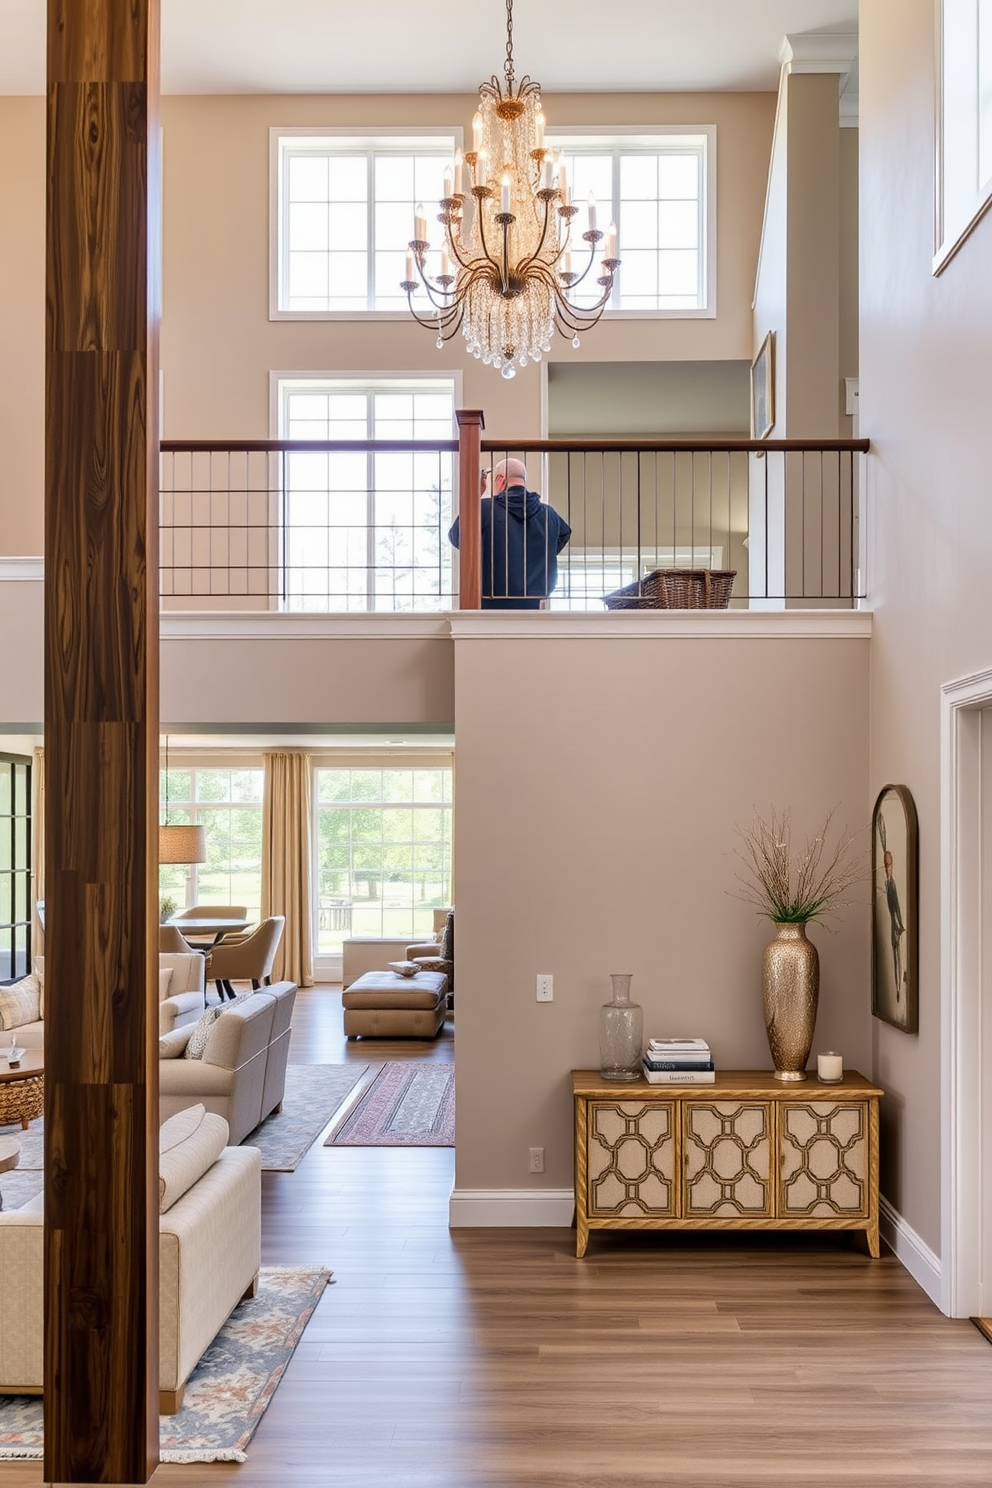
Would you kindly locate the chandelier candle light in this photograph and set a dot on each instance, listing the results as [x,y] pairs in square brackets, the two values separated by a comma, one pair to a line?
[508,236]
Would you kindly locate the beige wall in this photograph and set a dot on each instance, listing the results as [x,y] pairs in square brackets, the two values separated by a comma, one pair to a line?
[849,251]
[597,787]
[22,324]
[926,382]
[218,344]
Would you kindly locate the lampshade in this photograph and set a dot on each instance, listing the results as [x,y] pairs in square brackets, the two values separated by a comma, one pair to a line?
[182,844]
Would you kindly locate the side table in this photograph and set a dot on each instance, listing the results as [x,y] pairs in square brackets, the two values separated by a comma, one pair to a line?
[746,1153]
[22,1089]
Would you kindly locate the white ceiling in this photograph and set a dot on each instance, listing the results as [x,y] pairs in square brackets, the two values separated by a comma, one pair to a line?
[393,46]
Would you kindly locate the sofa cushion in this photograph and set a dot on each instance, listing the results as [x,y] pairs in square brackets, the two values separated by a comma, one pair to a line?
[189,1144]
[202,1030]
[20,1003]
[172,1043]
[384,989]
[164,982]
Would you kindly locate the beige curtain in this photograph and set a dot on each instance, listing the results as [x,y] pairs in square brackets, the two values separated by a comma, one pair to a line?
[38,845]
[286,834]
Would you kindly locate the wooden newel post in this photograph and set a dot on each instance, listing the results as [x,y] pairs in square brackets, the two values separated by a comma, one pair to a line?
[470,426]
[101,743]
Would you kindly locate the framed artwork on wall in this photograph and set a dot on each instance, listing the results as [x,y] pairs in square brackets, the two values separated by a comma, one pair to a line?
[894,912]
[763,389]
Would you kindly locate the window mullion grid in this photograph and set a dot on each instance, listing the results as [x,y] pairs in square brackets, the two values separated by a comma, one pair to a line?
[370,232]
[702,228]
[615,291]
[370,513]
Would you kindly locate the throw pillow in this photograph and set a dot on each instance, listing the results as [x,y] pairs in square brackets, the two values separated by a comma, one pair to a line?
[404,968]
[39,971]
[164,982]
[201,1032]
[431,963]
[20,1003]
[447,948]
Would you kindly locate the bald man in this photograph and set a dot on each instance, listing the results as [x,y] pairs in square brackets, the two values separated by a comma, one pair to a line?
[521,539]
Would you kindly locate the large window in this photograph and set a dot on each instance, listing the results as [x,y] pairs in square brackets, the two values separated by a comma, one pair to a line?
[345,210]
[964,124]
[227,802]
[383,850]
[656,188]
[363,530]
[15,866]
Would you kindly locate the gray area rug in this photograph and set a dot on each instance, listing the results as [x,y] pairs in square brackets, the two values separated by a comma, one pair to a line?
[229,1390]
[314,1093]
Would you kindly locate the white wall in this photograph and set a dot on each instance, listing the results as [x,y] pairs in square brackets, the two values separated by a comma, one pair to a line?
[926,385]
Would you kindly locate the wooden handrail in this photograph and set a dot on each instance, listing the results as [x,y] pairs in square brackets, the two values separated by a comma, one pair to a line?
[675,446]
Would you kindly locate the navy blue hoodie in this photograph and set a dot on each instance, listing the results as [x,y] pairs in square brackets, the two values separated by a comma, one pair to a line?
[521,539]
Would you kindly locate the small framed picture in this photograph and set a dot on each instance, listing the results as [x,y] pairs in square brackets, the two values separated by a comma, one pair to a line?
[894,914]
[763,389]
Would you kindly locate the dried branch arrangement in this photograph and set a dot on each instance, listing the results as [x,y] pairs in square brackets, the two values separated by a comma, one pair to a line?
[792,887]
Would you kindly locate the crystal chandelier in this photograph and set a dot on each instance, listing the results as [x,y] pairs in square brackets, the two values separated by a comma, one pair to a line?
[508,237]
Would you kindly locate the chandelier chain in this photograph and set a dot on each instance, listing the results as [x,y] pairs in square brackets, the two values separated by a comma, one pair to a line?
[508,67]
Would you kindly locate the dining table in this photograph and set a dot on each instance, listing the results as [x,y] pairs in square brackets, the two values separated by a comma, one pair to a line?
[210,931]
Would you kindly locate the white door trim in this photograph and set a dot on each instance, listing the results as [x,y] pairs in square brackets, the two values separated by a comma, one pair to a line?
[961,1001]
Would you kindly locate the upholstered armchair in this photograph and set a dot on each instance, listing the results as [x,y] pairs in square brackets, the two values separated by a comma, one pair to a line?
[250,959]
[437,955]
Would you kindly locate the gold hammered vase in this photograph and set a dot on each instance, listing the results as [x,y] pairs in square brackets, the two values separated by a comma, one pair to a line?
[790,986]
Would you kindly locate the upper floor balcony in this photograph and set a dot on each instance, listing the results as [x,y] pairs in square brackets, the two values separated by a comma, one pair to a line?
[362,526]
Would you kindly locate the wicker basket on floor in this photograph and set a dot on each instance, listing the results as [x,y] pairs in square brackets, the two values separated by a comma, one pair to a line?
[676,589]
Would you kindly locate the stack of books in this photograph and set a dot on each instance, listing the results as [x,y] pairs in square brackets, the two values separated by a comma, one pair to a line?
[679,1062]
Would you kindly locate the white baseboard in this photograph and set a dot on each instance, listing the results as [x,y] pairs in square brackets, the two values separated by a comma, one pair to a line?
[510,1208]
[913,1251]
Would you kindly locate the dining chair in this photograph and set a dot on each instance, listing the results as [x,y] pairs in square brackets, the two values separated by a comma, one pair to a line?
[250,959]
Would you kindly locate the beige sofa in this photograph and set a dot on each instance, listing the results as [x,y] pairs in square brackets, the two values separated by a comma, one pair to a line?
[242,1074]
[210,1250]
[181,990]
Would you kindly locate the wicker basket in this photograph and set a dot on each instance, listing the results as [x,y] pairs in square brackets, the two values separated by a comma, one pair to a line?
[676,589]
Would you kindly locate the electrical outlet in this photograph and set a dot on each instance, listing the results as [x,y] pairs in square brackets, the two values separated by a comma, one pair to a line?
[545,987]
[536,1160]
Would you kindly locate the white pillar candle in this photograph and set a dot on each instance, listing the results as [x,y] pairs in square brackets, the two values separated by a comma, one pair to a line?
[592,212]
[421,224]
[477,133]
[482,169]
[547,174]
[459,168]
[563,180]
[539,132]
[504,195]
[830,1067]
[409,269]
[448,179]
[611,241]
[567,266]
[445,262]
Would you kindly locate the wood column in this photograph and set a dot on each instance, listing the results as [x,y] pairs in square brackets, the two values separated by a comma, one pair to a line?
[470,426]
[101,743]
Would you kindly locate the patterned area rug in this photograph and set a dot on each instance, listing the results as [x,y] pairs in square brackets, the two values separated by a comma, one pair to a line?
[408,1105]
[314,1092]
[229,1390]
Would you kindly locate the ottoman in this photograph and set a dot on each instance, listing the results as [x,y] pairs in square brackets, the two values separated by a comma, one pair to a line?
[382,1004]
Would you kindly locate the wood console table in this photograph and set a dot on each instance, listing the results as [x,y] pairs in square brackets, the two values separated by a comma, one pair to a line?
[747,1153]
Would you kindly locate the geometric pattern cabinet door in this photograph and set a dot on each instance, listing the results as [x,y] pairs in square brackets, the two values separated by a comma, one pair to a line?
[727,1148]
[631,1154]
[824,1159]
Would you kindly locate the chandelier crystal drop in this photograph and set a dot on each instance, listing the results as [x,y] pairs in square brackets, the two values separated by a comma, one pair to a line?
[506,277]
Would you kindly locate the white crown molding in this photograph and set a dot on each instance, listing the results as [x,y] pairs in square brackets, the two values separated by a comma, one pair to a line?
[627,625]
[912,1250]
[280,626]
[819,51]
[514,1208]
[20,570]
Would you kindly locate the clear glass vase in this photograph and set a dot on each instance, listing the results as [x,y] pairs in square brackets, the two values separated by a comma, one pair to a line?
[621,1031]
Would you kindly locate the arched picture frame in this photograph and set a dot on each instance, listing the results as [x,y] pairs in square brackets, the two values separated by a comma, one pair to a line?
[894,910]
